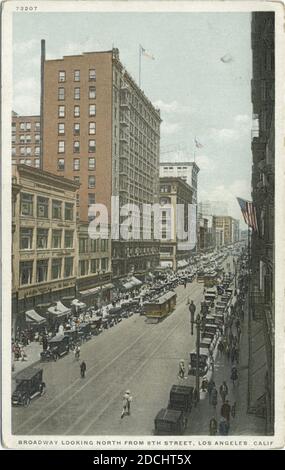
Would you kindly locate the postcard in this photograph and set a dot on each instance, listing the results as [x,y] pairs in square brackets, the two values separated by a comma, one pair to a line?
[142,190]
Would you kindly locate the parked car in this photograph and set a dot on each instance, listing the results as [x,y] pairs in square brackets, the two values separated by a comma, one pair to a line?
[29,384]
[169,421]
[57,346]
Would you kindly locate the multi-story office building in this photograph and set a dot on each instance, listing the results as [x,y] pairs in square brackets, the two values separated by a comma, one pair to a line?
[226,230]
[44,239]
[261,365]
[187,171]
[210,208]
[174,191]
[100,129]
[26,145]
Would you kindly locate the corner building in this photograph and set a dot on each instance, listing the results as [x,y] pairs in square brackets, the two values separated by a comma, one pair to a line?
[100,130]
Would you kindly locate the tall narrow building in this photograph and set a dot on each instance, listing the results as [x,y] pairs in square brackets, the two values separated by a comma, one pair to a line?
[100,130]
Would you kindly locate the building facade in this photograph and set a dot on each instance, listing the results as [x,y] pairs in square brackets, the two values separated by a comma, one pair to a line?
[262,242]
[44,239]
[174,191]
[226,230]
[26,145]
[187,171]
[101,130]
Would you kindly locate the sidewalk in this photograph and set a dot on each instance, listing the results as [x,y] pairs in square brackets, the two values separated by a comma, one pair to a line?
[32,351]
[243,423]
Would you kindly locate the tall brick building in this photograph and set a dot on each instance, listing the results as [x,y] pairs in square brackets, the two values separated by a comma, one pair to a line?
[26,147]
[100,130]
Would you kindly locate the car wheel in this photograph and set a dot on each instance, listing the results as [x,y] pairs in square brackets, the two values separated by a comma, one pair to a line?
[27,402]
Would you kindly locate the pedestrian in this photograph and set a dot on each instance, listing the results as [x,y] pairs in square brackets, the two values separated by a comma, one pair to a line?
[213,426]
[83,369]
[223,427]
[181,371]
[233,410]
[226,410]
[214,397]
[23,354]
[126,404]
[224,391]
[220,347]
[211,385]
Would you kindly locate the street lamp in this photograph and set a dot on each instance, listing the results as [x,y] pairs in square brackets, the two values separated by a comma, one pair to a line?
[198,326]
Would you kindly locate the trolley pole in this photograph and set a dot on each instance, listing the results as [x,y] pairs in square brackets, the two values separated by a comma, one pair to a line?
[198,324]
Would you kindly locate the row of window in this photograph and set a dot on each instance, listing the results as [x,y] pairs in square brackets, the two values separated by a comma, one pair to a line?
[60,268]
[76,167]
[42,266]
[42,238]
[26,139]
[26,126]
[76,128]
[43,207]
[76,146]
[26,151]
[76,75]
[87,245]
[61,95]
[27,161]
[76,110]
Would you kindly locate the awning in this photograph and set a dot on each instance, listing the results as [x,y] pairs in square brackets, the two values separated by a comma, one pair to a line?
[33,317]
[59,309]
[78,304]
[166,264]
[182,263]
[96,290]
[131,283]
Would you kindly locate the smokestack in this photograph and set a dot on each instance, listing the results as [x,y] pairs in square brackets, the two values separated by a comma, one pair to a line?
[43,58]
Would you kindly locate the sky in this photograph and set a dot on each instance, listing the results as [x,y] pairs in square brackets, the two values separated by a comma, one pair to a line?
[200,96]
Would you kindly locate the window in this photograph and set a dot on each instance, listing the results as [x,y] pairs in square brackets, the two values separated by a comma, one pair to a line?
[93,246]
[61,94]
[56,209]
[28,162]
[26,238]
[92,92]
[76,146]
[42,238]
[104,264]
[42,270]
[22,139]
[68,212]
[76,179]
[22,151]
[37,126]
[37,162]
[68,267]
[92,128]
[76,111]
[91,163]
[61,146]
[91,199]
[68,239]
[77,93]
[28,139]
[14,151]
[76,164]
[27,204]
[76,128]
[22,161]
[91,146]
[28,126]
[61,76]
[91,182]
[61,111]
[23,126]
[42,207]
[92,74]
[37,150]
[56,239]
[104,245]
[92,109]
[60,164]
[13,139]
[83,245]
[26,272]
[14,127]
[94,264]
[83,267]
[28,150]
[61,128]
[56,268]
[76,75]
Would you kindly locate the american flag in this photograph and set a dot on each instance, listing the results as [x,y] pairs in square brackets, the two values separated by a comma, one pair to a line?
[249,213]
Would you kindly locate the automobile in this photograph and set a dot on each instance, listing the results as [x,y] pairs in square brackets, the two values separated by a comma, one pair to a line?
[57,346]
[203,362]
[168,421]
[205,343]
[180,398]
[29,384]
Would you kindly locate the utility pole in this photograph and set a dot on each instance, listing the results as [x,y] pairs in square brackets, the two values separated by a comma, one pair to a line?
[198,357]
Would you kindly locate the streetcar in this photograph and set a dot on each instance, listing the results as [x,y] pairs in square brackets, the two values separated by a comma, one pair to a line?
[160,307]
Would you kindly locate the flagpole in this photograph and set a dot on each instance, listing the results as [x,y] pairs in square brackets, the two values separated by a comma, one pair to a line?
[140,64]
[194,150]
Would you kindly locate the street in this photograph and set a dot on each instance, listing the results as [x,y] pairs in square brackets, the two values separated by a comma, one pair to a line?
[133,355]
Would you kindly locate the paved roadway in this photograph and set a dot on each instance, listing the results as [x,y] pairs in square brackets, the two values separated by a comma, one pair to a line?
[132,355]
